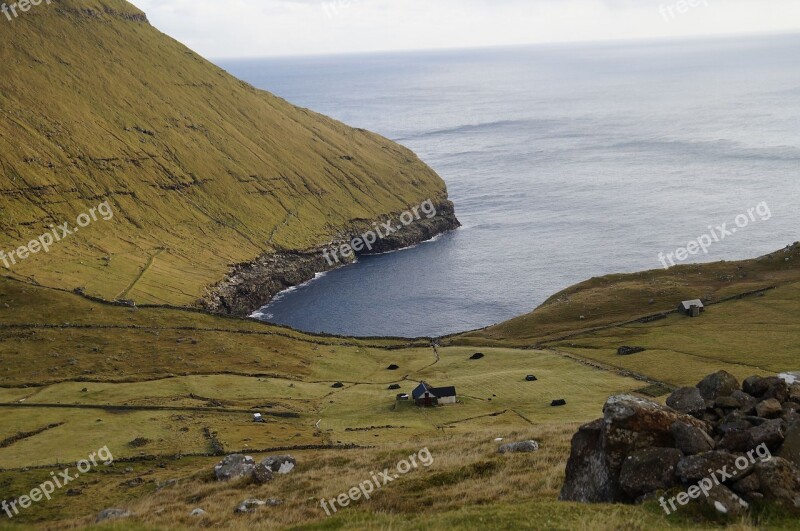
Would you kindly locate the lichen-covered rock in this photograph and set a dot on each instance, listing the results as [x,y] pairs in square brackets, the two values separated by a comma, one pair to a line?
[234,466]
[649,470]
[769,409]
[690,439]
[687,400]
[519,447]
[725,502]
[693,468]
[589,479]
[719,384]
[780,481]
[791,444]
[770,433]
[280,464]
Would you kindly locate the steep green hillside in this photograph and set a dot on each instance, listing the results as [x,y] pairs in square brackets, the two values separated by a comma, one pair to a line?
[202,171]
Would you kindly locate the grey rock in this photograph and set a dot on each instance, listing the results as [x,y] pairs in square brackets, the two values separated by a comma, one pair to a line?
[791,444]
[234,466]
[197,512]
[687,400]
[755,386]
[648,470]
[747,486]
[726,502]
[777,388]
[588,478]
[747,403]
[780,481]
[719,384]
[693,468]
[691,439]
[251,504]
[280,464]
[262,474]
[736,441]
[770,433]
[519,447]
[112,514]
[770,408]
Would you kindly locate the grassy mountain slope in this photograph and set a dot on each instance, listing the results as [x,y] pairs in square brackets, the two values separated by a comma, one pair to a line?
[202,170]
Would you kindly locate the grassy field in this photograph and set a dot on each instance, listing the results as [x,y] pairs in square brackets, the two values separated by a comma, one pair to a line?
[163,389]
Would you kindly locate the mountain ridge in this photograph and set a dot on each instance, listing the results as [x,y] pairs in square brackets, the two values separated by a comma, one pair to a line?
[204,172]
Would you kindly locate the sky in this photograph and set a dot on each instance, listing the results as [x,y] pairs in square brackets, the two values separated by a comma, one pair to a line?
[261,28]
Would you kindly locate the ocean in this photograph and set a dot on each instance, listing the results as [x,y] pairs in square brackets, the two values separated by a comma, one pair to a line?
[565,162]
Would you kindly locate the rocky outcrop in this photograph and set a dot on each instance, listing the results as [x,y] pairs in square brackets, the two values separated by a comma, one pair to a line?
[238,466]
[234,466]
[251,285]
[640,448]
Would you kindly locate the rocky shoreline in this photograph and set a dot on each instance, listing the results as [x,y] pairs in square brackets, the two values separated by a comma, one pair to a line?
[251,285]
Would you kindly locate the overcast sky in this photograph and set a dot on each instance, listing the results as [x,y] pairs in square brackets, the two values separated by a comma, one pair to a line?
[257,28]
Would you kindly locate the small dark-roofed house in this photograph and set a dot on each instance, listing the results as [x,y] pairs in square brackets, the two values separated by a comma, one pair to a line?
[692,308]
[427,396]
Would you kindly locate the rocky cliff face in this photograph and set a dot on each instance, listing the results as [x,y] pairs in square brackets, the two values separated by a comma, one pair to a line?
[251,285]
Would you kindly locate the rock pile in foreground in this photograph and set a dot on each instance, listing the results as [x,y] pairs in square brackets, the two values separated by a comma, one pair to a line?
[719,442]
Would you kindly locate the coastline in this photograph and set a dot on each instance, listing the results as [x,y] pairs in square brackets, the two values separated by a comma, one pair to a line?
[252,285]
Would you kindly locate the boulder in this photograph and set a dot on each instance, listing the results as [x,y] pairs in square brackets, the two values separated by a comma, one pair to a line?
[769,409]
[251,504]
[780,481]
[725,502]
[262,474]
[234,466]
[280,464]
[648,470]
[634,423]
[747,486]
[770,433]
[394,387]
[721,383]
[777,388]
[755,386]
[791,444]
[112,514]
[687,400]
[691,469]
[519,447]
[747,403]
[558,403]
[727,402]
[690,439]
[588,478]
[740,440]
[197,512]
[794,393]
